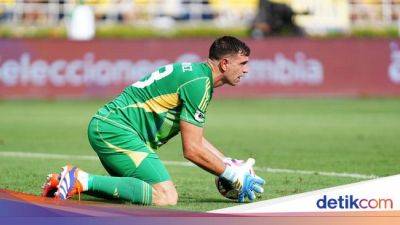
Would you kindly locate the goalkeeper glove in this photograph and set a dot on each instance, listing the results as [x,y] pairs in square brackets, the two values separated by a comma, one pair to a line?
[242,180]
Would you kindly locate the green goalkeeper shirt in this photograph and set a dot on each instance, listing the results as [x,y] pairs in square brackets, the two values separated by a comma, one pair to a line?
[153,106]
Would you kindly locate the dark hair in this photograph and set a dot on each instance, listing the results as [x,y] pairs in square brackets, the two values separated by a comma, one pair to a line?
[227,45]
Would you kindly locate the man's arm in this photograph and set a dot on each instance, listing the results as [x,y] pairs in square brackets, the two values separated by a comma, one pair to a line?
[213,149]
[197,151]
[203,154]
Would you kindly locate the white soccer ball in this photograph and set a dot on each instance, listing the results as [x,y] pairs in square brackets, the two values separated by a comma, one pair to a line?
[224,187]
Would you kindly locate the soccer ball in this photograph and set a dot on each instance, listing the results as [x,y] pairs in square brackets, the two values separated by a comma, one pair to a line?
[224,187]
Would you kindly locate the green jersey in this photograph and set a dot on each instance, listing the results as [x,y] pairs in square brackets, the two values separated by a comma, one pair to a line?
[153,106]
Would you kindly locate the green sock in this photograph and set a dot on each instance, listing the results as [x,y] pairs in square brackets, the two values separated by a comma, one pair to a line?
[126,188]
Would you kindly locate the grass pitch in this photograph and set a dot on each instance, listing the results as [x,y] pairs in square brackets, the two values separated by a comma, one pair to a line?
[326,135]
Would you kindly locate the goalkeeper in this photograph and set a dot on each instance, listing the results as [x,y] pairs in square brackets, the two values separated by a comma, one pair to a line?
[126,132]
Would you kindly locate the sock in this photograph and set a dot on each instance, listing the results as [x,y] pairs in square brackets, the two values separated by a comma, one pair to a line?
[83,178]
[127,188]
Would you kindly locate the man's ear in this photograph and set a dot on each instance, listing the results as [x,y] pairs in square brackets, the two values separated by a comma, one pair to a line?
[223,64]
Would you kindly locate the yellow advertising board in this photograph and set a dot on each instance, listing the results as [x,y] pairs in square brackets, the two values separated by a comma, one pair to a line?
[323,15]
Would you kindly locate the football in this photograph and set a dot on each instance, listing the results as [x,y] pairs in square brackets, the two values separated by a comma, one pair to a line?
[224,187]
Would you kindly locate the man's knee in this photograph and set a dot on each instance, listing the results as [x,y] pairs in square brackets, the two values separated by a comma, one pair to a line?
[164,193]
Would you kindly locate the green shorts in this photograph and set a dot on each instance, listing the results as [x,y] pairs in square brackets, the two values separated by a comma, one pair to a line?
[124,154]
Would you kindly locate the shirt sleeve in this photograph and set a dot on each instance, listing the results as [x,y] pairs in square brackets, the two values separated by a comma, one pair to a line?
[195,96]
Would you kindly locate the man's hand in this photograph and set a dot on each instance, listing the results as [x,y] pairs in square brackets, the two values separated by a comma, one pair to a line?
[242,179]
[251,184]
[256,183]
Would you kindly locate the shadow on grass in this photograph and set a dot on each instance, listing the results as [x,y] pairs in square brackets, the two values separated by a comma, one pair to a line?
[205,200]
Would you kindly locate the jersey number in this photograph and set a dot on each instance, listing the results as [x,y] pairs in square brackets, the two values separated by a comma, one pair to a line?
[156,75]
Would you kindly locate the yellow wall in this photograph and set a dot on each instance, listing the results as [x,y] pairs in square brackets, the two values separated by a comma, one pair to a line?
[7,2]
[234,4]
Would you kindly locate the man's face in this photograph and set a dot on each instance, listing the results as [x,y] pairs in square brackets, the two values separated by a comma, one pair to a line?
[235,67]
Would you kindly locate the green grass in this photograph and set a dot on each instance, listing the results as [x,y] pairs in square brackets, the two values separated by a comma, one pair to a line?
[333,135]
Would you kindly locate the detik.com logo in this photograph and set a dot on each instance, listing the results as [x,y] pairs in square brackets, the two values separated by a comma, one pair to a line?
[351,202]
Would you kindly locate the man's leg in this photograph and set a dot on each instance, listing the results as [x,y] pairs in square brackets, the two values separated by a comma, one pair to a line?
[149,184]
[164,193]
[138,175]
[133,190]
[126,188]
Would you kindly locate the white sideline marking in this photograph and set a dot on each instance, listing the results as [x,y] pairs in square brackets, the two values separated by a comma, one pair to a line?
[188,164]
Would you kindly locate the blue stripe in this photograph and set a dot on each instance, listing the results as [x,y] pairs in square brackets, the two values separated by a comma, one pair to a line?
[62,187]
[71,182]
[72,179]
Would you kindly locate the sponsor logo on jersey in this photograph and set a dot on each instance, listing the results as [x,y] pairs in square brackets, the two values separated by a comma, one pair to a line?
[199,116]
[116,193]
[187,67]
